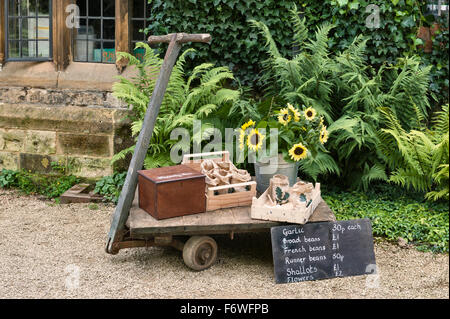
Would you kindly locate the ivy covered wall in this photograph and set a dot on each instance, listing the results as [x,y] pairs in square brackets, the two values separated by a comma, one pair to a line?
[237,45]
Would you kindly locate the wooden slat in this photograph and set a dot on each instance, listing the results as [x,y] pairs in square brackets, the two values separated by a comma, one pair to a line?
[123,38]
[224,221]
[62,44]
[2,34]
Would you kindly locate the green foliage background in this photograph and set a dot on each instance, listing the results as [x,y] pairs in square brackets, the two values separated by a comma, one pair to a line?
[236,45]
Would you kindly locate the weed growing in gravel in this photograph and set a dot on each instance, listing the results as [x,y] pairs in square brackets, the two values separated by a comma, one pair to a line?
[50,186]
[111,186]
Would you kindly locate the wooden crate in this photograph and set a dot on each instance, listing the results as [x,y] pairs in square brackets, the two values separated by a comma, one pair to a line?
[296,215]
[169,192]
[215,200]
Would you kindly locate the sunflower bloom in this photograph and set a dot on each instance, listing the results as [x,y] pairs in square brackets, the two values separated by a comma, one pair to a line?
[310,114]
[242,139]
[294,112]
[250,123]
[255,140]
[284,117]
[298,152]
[324,135]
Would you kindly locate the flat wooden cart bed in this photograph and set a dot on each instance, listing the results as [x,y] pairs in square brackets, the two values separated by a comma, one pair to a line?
[200,250]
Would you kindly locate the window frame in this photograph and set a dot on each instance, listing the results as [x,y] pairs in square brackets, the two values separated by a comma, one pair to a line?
[144,19]
[62,37]
[20,17]
[102,18]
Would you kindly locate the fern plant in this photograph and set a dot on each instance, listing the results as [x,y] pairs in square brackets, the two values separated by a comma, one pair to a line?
[188,98]
[422,155]
[348,93]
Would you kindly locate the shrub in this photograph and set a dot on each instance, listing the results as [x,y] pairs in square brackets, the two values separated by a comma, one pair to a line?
[187,99]
[395,213]
[235,44]
[348,93]
[419,158]
[8,178]
[50,186]
[111,186]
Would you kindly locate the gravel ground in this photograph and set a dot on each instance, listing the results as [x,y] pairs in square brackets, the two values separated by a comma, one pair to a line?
[43,246]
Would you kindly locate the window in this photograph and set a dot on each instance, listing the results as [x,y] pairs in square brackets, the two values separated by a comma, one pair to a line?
[94,41]
[139,21]
[28,30]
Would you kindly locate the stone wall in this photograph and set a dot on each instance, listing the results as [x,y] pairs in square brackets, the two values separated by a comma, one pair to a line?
[79,130]
[59,97]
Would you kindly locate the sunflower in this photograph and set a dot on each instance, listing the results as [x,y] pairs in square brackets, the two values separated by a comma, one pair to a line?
[255,140]
[284,117]
[295,112]
[324,135]
[298,152]
[248,124]
[310,114]
[242,139]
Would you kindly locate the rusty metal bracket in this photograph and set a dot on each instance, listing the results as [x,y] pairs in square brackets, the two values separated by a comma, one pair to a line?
[126,198]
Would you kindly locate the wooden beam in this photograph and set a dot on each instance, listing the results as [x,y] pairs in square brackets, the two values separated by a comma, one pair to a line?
[181,38]
[62,44]
[122,31]
[2,34]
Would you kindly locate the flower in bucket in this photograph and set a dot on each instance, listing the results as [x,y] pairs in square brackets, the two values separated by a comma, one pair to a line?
[255,140]
[298,152]
[324,135]
[294,112]
[284,117]
[251,137]
[301,133]
[310,114]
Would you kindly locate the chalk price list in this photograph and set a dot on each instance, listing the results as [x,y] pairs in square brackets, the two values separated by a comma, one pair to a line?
[322,250]
[303,255]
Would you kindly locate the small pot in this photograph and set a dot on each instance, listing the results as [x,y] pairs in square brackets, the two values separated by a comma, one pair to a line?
[266,168]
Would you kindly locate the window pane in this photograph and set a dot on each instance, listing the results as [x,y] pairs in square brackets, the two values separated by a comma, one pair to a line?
[30,30]
[97,48]
[138,8]
[109,8]
[13,29]
[84,49]
[82,5]
[13,49]
[94,8]
[109,29]
[43,49]
[95,27]
[28,7]
[109,52]
[14,8]
[137,26]
[44,7]
[28,49]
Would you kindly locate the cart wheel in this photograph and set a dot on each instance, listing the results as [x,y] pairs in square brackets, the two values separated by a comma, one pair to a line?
[200,252]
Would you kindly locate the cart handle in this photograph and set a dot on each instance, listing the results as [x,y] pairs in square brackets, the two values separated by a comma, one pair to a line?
[188,158]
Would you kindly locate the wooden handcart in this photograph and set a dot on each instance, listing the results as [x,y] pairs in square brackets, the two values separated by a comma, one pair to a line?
[131,227]
[200,250]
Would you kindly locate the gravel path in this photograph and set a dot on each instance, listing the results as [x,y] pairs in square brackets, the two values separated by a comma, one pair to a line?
[43,246]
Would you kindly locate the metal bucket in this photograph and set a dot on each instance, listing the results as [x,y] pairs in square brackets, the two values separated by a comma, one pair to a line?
[266,169]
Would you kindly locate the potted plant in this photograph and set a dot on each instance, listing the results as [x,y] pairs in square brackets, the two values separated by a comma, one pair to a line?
[299,134]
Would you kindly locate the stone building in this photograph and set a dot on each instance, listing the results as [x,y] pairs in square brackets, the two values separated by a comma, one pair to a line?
[57,67]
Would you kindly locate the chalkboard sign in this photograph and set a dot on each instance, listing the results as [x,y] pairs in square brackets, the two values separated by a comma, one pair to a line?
[323,250]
